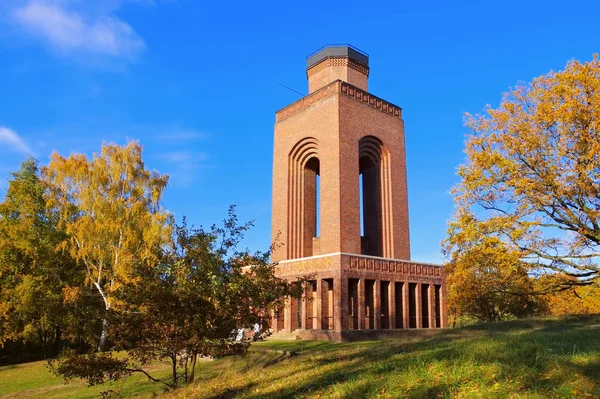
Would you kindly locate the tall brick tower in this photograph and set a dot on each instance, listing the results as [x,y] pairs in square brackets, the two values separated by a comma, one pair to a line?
[340,208]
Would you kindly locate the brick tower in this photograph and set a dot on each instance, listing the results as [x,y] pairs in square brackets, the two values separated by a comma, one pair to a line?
[340,209]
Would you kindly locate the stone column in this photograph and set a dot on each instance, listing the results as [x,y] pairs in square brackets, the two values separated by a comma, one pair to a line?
[361,304]
[418,306]
[377,305]
[319,300]
[431,305]
[405,305]
[392,304]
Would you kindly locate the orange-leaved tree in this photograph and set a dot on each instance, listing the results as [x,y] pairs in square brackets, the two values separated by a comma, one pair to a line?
[486,280]
[109,207]
[578,300]
[531,184]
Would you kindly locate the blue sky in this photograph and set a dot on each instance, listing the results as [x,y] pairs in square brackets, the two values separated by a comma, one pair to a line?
[194,82]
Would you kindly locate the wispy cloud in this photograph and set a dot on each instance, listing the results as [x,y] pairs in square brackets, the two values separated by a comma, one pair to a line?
[69,28]
[180,135]
[182,165]
[182,158]
[176,156]
[11,140]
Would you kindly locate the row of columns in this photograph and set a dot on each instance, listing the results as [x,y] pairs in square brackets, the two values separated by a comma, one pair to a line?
[350,304]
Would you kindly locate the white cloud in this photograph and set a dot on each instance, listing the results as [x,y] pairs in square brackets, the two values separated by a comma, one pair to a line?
[10,139]
[175,156]
[183,158]
[180,135]
[73,30]
[182,165]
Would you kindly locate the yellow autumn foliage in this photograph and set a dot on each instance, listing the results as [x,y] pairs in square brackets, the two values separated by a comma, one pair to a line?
[530,187]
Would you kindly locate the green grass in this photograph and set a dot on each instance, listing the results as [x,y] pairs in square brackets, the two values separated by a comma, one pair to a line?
[552,358]
[35,380]
[541,358]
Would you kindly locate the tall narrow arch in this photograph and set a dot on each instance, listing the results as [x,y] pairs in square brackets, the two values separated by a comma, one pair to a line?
[303,199]
[376,201]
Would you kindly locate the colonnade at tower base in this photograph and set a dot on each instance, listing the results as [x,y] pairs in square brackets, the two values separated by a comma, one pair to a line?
[351,297]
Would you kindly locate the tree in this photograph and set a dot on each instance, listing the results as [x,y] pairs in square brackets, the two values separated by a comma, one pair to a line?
[575,300]
[202,289]
[489,283]
[109,207]
[33,274]
[532,177]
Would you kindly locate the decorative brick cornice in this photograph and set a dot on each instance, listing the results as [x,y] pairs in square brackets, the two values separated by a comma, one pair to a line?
[409,268]
[334,62]
[308,100]
[371,100]
[346,261]
[346,89]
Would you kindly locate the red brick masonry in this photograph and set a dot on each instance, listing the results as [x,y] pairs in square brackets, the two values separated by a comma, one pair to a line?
[356,292]
[340,210]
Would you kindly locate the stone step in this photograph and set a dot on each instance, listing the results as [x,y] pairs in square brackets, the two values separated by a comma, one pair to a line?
[284,336]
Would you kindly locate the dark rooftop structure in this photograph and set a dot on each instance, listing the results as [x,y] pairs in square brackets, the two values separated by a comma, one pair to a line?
[337,51]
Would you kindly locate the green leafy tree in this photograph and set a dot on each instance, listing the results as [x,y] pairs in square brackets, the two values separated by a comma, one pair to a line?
[109,207]
[34,275]
[201,290]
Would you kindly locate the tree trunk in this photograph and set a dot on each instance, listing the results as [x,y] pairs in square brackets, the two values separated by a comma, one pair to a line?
[104,334]
[43,340]
[193,371]
[174,363]
[57,342]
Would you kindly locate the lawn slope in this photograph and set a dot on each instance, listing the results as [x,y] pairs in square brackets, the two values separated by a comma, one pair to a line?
[551,358]
[35,380]
[542,358]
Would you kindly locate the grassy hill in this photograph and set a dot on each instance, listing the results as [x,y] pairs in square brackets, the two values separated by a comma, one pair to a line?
[541,358]
[553,358]
[34,380]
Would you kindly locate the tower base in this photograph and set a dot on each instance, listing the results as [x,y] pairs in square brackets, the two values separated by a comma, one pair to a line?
[349,297]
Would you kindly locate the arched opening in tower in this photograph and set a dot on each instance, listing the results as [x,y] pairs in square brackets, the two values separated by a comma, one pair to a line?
[311,207]
[370,202]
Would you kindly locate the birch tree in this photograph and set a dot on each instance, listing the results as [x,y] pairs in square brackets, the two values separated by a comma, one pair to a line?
[203,288]
[109,206]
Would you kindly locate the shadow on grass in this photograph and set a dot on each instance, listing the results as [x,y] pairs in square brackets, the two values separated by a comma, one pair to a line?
[542,357]
[338,376]
[231,393]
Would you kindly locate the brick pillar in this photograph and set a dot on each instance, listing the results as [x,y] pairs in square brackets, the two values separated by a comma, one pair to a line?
[443,307]
[377,305]
[274,325]
[344,309]
[304,306]
[361,304]
[287,315]
[392,304]
[418,306]
[337,304]
[319,300]
[431,304]
[405,305]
